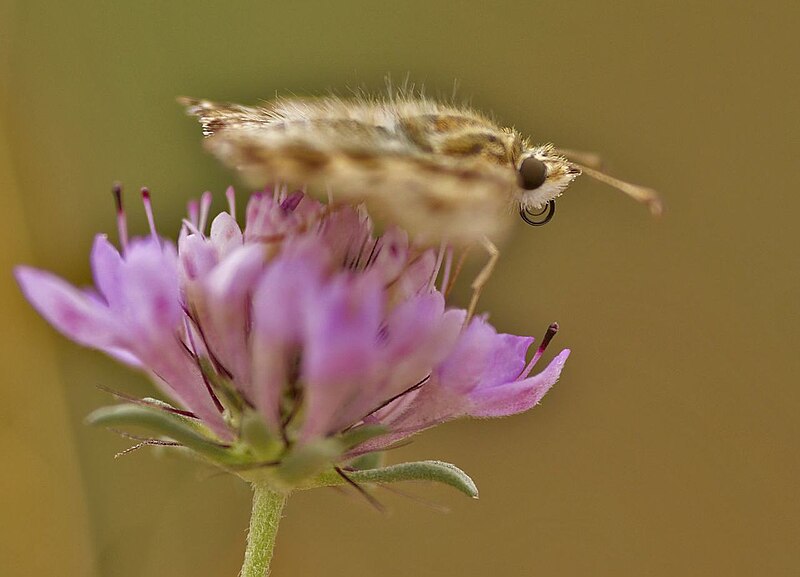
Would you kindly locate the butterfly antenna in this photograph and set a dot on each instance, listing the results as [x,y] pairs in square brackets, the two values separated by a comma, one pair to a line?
[642,194]
[587,158]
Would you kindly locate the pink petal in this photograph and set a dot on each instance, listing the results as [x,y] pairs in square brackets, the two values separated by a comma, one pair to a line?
[225,314]
[69,310]
[180,378]
[506,360]
[420,334]
[339,361]
[197,257]
[464,367]
[149,293]
[390,255]
[416,277]
[106,262]
[283,293]
[344,233]
[516,396]
[342,330]
[226,236]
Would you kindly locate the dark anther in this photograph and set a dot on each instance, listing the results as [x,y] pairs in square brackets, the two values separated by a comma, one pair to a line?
[116,190]
[539,217]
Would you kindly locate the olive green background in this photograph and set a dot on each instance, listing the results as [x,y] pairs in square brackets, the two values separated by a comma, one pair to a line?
[669,447]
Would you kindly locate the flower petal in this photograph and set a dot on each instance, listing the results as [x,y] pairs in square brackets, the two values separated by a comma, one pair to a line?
[150,303]
[225,313]
[69,310]
[197,257]
[465,366]
[286,289]
[507,359]
[516,396]
[106,262]
[339,363]
[419,336]
[226,236]
[390,255]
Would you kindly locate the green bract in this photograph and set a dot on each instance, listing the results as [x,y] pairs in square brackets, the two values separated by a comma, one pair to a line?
[261,458]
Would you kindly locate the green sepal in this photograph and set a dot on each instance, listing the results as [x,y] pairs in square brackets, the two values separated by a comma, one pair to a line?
[436,471]
[256,435]
[355,437]
[307,461]
[372,460]
[176,427]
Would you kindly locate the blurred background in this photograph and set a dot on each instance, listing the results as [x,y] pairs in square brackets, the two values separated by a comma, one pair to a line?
[669,447]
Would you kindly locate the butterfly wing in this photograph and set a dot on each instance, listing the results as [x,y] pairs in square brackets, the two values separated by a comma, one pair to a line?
[357,157]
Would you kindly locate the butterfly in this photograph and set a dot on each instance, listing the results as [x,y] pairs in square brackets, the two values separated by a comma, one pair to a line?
[442,172]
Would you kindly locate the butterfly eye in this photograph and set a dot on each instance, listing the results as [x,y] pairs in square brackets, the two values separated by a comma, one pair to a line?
[532,173]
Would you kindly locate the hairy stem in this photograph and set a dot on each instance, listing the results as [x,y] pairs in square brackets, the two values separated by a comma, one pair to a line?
[266,515]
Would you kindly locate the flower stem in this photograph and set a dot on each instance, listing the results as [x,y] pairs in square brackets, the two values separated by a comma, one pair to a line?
[264,520]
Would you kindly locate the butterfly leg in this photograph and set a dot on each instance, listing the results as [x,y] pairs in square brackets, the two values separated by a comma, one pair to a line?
[483,276]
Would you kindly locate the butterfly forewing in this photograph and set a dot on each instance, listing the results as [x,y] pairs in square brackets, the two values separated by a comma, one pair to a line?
[438,172]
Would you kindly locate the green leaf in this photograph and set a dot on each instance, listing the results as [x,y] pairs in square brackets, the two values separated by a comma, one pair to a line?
[436,471]
[176,427]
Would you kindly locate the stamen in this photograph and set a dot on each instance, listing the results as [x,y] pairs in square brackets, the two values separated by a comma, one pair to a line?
[260,213]
[230,194]
[548,336]
[122,220]
[191,227]
[148,210]
[193,210]
[289,204]
[205,207]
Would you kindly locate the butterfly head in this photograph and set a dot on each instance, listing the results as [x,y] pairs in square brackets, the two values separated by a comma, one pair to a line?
[542,175]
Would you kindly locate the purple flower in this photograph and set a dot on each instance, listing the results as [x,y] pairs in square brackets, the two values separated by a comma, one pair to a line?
[306,320]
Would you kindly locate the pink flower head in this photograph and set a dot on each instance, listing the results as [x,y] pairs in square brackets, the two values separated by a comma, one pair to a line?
[306,319]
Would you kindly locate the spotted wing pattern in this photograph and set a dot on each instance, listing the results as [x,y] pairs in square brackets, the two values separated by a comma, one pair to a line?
[381,154]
